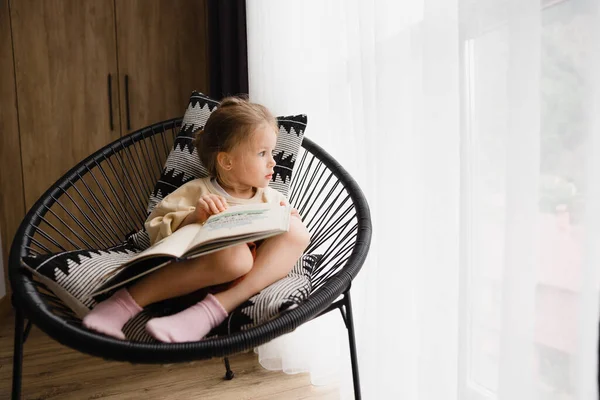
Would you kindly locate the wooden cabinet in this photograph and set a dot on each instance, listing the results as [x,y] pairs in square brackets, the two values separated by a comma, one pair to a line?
[85,73]
[162,53]
[12,205]
[64,51]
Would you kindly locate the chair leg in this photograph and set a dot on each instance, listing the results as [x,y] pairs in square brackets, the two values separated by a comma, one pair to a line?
[352,342]
[229,374]
[18,354]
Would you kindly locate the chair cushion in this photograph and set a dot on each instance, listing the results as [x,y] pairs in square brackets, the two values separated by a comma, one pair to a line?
[183,163]
[73,275]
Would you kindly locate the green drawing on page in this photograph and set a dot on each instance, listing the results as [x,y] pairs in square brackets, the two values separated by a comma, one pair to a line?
[234,220]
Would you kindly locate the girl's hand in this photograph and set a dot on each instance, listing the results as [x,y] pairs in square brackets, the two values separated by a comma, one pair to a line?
[209,204]
[293,211]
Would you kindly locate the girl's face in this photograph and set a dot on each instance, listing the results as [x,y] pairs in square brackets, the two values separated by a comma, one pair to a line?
[252,161]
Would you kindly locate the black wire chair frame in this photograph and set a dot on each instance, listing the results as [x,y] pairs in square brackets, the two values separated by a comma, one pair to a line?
[112,185]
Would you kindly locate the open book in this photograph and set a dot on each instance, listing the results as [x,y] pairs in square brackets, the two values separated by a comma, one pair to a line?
[235,225]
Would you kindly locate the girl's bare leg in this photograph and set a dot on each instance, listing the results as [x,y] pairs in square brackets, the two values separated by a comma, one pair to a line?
[274,260]
[170,281]
[185,277]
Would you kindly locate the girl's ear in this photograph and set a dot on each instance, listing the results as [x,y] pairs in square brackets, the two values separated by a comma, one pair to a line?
[224,160]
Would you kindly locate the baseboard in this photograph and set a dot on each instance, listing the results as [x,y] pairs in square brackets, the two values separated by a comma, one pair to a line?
[5,307]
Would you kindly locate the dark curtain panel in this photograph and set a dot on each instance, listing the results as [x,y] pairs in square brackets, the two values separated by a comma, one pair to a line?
[227,51]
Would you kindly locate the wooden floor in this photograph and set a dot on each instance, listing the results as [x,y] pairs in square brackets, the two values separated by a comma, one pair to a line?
[52,371]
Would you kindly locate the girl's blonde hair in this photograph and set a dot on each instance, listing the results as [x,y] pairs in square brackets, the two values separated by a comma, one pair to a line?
[228,126]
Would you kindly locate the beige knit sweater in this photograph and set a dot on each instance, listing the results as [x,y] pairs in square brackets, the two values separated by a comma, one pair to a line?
[168,215]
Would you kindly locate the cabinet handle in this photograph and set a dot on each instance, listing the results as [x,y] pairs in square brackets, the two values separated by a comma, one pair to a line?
[110,107]
[127,102]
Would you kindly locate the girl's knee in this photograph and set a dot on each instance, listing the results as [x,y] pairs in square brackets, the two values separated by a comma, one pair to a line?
[236,261]
[299,233]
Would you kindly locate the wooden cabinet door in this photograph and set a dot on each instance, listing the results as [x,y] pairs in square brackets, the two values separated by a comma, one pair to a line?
[64,52]
[12,206]
[162,47]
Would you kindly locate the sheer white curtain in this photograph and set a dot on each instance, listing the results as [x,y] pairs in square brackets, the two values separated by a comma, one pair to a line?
[473,127]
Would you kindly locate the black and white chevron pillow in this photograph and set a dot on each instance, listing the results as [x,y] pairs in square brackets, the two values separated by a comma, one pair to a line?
[73,275]
[183,163]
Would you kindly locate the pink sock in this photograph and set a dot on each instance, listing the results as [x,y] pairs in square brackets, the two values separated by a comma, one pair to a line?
[109,316]
[190,324]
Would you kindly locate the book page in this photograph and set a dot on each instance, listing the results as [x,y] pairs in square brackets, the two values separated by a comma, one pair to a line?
[244,220]
[237,224]
[174,245]
[164,250]
[218,245]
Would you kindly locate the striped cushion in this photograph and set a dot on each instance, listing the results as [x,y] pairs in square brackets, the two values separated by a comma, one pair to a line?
[73,275]
[183,163]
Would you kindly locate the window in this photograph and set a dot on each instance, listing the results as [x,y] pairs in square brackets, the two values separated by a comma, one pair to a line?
[561,199]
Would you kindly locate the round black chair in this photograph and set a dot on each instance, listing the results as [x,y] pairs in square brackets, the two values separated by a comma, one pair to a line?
[113,185]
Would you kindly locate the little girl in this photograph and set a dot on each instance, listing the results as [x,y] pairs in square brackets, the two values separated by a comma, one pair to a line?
[236,147]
